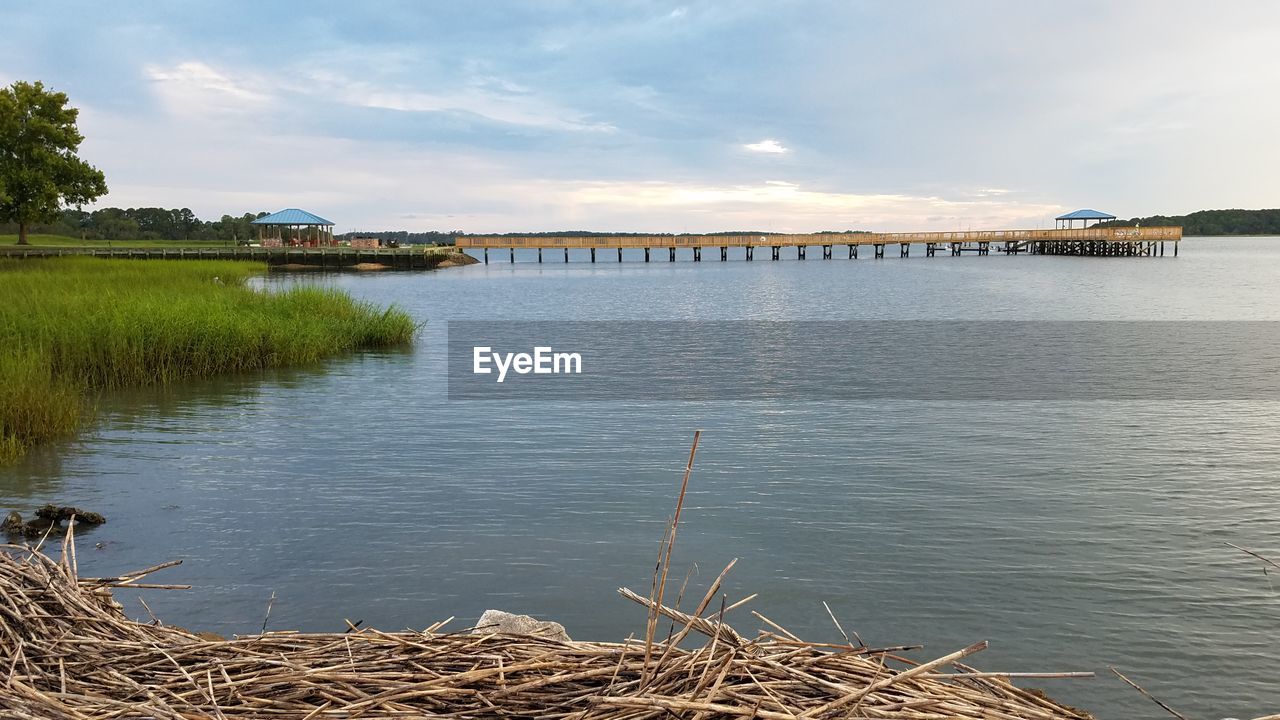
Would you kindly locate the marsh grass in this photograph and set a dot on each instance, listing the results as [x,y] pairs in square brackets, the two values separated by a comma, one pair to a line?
[73,326]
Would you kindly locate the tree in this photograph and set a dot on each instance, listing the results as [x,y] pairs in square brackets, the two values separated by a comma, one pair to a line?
[39,169]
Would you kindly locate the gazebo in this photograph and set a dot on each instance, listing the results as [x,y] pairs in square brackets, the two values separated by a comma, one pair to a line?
[294,227]
[1084,216]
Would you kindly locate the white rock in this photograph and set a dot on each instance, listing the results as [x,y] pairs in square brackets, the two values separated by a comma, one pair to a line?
[505,623]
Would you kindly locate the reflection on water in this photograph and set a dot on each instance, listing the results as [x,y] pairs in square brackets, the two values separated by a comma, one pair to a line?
[1072,535]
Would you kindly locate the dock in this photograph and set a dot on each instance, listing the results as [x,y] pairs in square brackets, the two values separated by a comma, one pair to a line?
[329,258]
[1085,242]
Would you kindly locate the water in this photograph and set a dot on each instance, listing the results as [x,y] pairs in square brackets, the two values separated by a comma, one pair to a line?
[1072,535]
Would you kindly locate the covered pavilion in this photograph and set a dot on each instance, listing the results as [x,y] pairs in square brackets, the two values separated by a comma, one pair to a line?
[295,228]
[1084,216]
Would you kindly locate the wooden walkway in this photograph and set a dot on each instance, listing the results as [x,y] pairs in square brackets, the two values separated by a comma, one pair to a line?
[328,257]
[1092,242]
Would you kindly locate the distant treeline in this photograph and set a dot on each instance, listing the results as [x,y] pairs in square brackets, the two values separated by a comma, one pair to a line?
[404,237]
[144,224]
[1213,222]
[182,224]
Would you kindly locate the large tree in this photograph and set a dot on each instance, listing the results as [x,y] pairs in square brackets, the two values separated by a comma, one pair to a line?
[39,169]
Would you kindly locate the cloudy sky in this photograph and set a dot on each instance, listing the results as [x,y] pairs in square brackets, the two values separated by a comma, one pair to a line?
[667,116]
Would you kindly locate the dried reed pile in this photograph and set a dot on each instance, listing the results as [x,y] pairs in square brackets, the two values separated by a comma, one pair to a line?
[68,651]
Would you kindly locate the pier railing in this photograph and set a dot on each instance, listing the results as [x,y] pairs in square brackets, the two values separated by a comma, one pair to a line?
[1095,234]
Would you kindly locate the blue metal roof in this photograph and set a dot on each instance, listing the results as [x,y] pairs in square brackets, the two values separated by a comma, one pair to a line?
[291,216]
[1086,215]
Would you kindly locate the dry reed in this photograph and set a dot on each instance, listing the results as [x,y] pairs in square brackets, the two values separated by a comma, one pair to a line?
[68,651]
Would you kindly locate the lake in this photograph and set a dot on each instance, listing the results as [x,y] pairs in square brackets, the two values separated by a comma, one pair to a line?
[1072,534]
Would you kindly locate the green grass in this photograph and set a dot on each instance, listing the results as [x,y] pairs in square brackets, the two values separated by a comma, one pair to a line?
[72,326]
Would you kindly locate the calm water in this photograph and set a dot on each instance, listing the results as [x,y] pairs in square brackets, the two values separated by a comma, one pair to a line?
[1073,536]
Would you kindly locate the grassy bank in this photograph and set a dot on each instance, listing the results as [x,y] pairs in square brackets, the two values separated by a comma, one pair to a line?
[71,326]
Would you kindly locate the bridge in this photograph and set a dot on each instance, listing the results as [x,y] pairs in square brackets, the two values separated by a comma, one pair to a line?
[1091,242]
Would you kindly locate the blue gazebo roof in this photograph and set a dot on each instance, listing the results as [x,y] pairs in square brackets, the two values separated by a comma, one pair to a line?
[291,216]
[1086,215]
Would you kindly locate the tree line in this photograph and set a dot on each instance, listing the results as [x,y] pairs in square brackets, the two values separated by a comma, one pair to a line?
[1212,222]
[147,223]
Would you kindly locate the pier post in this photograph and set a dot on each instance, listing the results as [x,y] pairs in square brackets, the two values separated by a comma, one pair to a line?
[1175,248]
[904,250]
[776,250]
[646,254]
[593,254]
[826,252]
[724,254]
[486,256]
[671,256]
[853,251]
[539,256]
[1161,248]
[566,254]
[619,254]
[750,249]
[697,254]
[799,252]
[513,254]
[879,250]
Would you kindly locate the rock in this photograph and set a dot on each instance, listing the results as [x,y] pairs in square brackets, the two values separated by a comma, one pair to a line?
[39,527]
[12,524]
[58,513]
[456,259]
[505,623]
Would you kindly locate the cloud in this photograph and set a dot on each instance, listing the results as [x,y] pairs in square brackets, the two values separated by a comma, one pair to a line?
[196,87]
[799,209]
[772,147]
[193,86]
[508,108]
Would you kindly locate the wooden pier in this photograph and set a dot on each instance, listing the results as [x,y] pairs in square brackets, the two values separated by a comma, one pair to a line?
[329,258]
[1088,242]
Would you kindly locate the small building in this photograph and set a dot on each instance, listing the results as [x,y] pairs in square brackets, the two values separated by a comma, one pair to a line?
[292,227]
[1086,216]
[366,243]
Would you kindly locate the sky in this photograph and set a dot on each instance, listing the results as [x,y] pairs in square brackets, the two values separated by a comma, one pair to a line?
[779,115]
